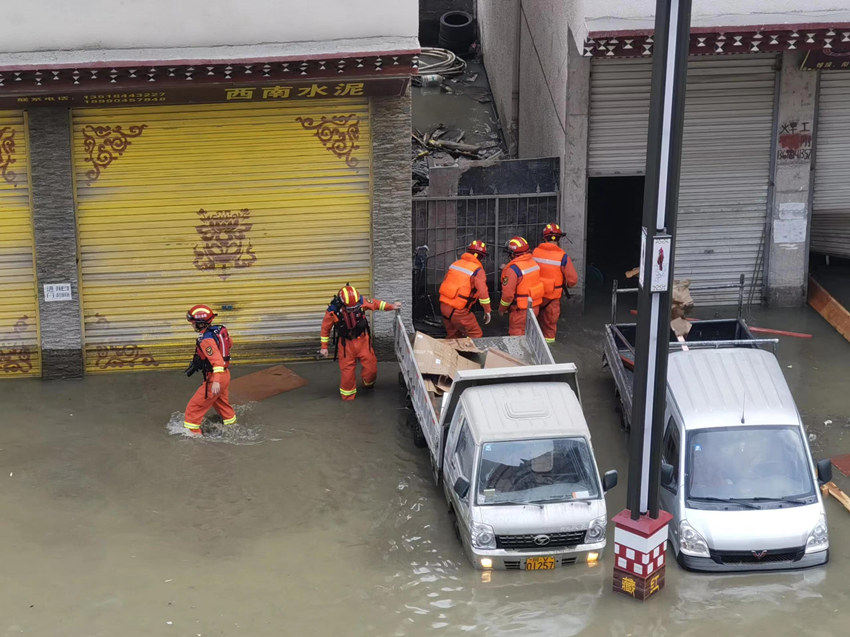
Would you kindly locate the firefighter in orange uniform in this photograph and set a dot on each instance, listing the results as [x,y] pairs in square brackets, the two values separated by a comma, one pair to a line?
[558,274]
[212,358]
[465,283]
[347,316]
[522,286]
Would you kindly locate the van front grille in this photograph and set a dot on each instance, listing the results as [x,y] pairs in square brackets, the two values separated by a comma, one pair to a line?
[571,538]
[512,565]
[758,557]
[568,560]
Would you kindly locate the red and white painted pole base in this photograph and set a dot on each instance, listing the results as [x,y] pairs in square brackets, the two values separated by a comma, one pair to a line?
[639,553]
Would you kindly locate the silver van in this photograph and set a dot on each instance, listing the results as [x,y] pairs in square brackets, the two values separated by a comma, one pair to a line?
[737,473]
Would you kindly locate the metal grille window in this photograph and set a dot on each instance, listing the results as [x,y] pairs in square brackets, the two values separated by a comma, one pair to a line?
[444,227]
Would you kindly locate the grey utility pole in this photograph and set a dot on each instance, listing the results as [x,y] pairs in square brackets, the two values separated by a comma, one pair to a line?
[660,202]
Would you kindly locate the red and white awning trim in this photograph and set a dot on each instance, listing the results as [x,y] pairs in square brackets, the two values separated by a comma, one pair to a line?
[632,44]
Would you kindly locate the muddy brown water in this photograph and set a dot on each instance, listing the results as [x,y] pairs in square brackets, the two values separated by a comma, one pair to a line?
[324,520]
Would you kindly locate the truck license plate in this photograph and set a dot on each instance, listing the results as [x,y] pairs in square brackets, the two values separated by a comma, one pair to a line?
[540,563]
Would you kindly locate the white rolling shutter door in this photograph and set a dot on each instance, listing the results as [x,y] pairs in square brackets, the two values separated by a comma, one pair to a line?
[831,209]
[725,159]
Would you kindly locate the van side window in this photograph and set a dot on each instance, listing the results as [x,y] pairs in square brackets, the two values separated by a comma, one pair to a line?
[464,451]
[670,451]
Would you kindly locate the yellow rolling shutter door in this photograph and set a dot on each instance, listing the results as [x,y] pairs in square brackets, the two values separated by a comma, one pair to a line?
[260,210]
[19,340]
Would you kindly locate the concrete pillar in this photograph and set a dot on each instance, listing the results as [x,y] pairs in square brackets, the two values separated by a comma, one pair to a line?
[574,167]
[790,216]
[392,251]
[54,226]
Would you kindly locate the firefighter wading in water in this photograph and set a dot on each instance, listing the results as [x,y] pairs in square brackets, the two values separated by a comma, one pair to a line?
[212,358]
[465,283]
[522,286]
[558,274]
[352,340]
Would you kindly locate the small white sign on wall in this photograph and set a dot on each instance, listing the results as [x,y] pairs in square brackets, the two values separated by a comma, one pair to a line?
[57,292]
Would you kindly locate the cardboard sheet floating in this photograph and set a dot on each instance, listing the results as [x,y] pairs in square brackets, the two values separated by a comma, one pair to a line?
[264,384]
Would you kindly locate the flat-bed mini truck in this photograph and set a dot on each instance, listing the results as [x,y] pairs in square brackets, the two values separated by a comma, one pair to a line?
[511,449]
[737,474]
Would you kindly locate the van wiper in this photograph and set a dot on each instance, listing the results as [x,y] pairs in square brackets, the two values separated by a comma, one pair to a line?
[737,501]
[789,500]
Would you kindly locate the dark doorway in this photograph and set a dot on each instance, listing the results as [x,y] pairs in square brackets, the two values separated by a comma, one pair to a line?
[614,215]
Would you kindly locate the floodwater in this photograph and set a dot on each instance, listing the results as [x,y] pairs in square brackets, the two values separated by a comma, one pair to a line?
[321,518]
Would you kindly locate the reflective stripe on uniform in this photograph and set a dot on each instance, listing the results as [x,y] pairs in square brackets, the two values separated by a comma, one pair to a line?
[365,384]
[325,339]
[502,302]
[484,301]
[534,268]
[190,425]
[382,305]
[550,340]
[461,269]
[347,392]
[216,370]
[230,421]
[548,261]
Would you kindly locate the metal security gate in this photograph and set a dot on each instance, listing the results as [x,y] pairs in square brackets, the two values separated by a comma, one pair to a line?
[723,198]
[260,210]
[20,353]
[831,209]
[444,227]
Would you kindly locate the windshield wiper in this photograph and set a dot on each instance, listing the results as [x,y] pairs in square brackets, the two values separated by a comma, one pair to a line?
[563,498]
[789,500]
[726,501]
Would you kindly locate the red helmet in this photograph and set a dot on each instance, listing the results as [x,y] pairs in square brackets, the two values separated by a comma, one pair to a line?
[553,230]
[349,295]
[478,247]
[517,246]
[200,314]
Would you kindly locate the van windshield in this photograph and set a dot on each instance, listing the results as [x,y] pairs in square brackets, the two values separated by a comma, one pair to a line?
[748,463]
[536,471]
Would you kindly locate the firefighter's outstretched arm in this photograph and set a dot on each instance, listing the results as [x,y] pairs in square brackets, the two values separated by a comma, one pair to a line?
[327,325]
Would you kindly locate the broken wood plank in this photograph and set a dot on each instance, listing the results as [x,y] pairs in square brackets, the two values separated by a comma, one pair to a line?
[830,309]
[830,488]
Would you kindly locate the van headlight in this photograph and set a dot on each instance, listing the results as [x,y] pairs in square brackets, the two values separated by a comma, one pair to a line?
[483,536]
[691,542]
[596,530]
[818,538]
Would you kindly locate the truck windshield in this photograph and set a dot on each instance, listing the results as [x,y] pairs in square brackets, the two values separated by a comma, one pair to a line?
[748,464]
[536,471]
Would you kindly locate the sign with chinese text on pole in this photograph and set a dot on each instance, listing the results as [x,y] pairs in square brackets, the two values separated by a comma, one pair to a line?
[208,94]
[57,292]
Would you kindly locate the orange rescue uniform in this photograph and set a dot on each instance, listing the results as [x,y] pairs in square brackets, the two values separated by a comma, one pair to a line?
[557,272]
[208,349]
[464,284]
[349,351]
[520,280]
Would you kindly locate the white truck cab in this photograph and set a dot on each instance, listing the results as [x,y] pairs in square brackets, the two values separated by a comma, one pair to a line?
[737,474]
[521,479]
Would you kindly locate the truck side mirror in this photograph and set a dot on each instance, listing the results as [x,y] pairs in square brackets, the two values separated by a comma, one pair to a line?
[824,470]
[461,487]
[609,480]
[667,475]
